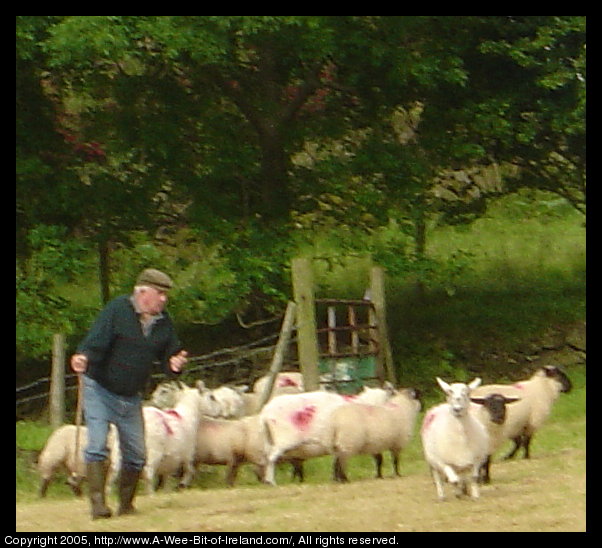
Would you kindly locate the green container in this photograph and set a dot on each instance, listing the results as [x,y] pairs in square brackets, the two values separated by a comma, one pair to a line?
[347,375]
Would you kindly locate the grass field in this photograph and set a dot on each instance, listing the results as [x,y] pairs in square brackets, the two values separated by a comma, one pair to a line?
[545,493]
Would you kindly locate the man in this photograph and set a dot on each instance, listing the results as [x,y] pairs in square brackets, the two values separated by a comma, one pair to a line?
[129,335]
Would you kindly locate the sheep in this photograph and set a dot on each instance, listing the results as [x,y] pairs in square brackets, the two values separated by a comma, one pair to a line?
[171,436]
[59,450]
[359,428]
[537,395]
[165,394]
[296,425]
[232,443]
[454,442]
[491,411]
[285,382]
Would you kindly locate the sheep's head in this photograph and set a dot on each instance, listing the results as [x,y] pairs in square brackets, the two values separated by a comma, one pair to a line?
[495,405]
[553,372]
[164,395]
[458,395]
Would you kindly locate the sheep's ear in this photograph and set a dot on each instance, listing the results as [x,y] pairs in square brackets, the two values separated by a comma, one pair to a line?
[511,400]
[474,384]
[444,386]
[200,386]
[480,401]
[388,387]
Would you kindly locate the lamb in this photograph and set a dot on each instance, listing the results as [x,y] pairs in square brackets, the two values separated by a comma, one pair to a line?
[491,411]
[360,428]
[171,436]
[59,450]
[455,443]
[537,395]
[296,425]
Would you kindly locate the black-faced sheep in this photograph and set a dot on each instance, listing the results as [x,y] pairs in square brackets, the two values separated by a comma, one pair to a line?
[537,396]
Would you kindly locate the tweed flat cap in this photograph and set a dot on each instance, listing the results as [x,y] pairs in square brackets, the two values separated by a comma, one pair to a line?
[155,278]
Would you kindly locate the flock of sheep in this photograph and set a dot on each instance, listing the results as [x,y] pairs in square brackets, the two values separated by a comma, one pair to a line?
[188,426]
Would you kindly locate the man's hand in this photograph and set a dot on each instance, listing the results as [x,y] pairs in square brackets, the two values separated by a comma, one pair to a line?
[177,361]
[79,363]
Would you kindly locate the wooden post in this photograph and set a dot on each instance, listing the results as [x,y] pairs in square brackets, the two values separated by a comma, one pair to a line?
[279,351]
[332,334]
[307,338]
[57,382]
[377,290]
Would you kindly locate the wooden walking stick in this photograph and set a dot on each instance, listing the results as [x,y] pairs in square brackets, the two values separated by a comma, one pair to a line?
[75,476]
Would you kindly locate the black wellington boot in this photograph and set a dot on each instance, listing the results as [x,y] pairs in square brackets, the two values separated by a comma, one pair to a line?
[128,481]
[97,478]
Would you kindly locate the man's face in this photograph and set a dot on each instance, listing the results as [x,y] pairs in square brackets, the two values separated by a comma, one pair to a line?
[151,300]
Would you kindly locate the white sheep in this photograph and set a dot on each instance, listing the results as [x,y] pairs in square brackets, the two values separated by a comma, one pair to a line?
[286,382]
[232,443]
[59,451]
[365,429]
[491,411]
[296,425]
[454,441]
[537,396]
[170,436]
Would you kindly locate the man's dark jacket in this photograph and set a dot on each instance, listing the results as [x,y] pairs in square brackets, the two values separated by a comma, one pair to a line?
[120,357]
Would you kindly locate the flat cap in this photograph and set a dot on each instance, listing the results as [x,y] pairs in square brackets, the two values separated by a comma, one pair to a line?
[155,278]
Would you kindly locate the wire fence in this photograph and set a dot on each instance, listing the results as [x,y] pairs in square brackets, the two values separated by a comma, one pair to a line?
[237,365]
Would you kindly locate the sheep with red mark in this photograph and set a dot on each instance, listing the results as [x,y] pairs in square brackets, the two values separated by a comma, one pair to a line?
[171,436]
[366,429]
[60,451]
[297,425]
[537,396]
[285,382]
[454,441]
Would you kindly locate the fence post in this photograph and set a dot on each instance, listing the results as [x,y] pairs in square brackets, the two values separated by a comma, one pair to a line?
[279,352]
[307,339]
[377,290]
[57,381]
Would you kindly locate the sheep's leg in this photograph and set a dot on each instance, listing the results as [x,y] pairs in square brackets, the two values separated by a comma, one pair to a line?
[473,482]
[526,443]
[297,472]
[232,471]
[188,475]
[484,471]
[269,476]
[44,487]
[148,473]
[454,479]
[518,440]
[339,473]
[378,459]
[438,483]
[395,459]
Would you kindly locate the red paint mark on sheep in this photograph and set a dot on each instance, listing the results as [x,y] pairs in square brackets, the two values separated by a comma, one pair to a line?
[302,419]
[286,381]
[428,420]
[165,419]
[519,385]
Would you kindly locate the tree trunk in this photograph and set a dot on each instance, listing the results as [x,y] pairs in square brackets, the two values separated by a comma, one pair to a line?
[103,269]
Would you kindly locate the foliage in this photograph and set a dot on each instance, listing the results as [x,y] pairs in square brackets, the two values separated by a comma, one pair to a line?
[218,146]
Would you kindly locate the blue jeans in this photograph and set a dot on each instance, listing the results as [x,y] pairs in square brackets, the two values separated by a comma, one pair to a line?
[102,407]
